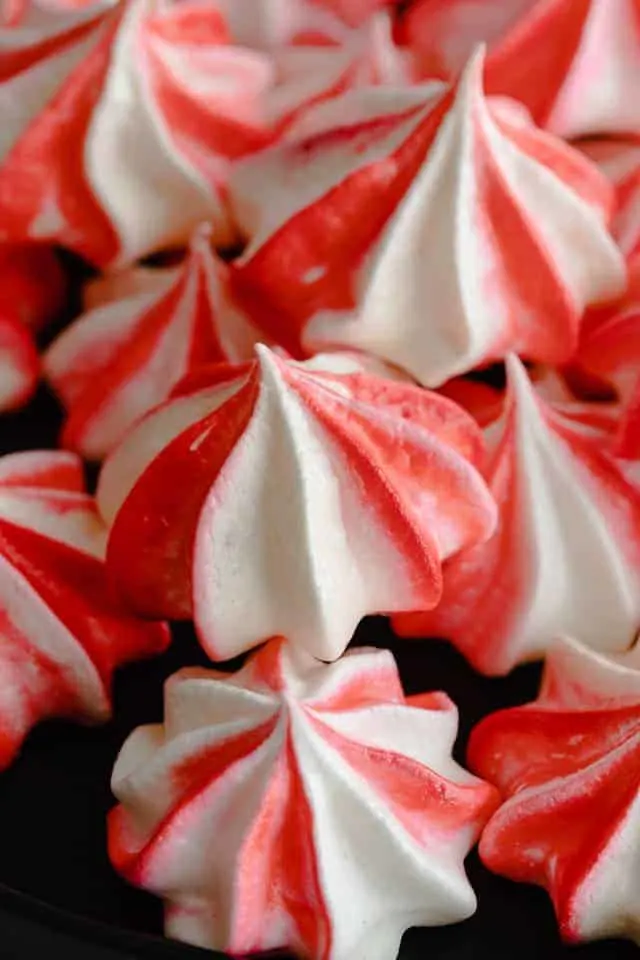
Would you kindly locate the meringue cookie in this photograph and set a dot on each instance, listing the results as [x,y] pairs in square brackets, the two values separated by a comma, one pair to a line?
[118,361]
[63,634]
[566,554]
[32,292]
[458,231]
[298,804]
[357,487]
[156,105]
[568,768]
[574,63]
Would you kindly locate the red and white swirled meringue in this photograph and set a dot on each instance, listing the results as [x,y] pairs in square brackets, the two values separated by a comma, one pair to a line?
[438,236]
[315,69]
[568,766]
[120,124]
[121,359]
[315,495]
[566,554]
[574,63]
[15,13]
[609,349]
[32,292]
[619,160]
[63,633]
[273,24]
[316,784]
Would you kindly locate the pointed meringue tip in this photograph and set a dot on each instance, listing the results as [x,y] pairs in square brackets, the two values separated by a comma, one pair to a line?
[201,238]
[521,394]
[472,73]
[267,360]
[517,376]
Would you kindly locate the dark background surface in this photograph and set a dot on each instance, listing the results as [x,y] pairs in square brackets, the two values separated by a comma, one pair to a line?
[58,894]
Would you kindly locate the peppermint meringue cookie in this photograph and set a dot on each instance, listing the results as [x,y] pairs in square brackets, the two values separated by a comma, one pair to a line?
[155,103]
[567,766]
[574,63]
[566,554]
[63,632]
[336,812]
[32,292]
[458,232]
[116,362]
[315,496]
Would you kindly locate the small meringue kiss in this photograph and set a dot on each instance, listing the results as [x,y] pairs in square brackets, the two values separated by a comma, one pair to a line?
[299,805]
[120,123]
[566,554]
[282,498]
[63,633]
[568,766]
[116,362]
[438,236]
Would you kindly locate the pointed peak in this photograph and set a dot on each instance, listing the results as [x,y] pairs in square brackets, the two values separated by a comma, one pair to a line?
[268,362]
[518,380]
[522,398]
[471,78]
[200,245]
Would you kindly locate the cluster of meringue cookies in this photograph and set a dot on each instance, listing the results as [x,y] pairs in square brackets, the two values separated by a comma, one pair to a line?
[361,335]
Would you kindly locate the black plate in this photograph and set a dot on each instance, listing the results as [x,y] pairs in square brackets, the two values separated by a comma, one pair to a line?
[58,893]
